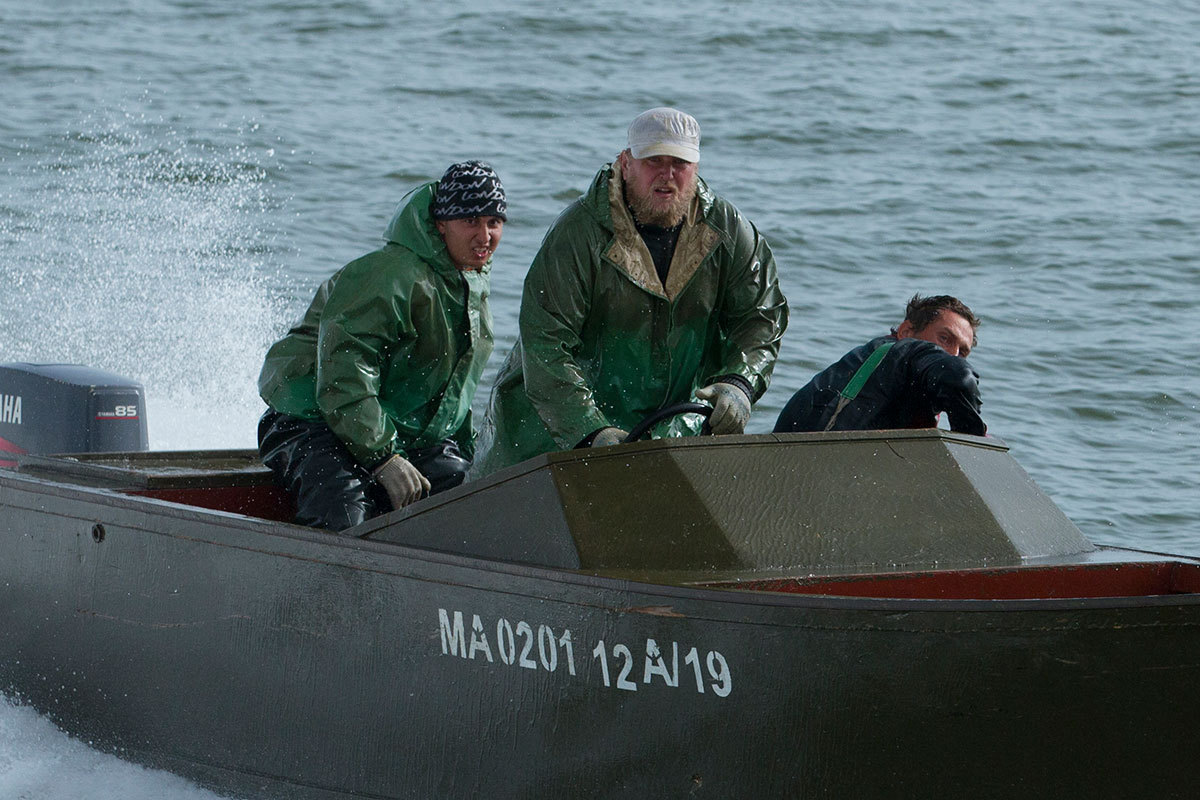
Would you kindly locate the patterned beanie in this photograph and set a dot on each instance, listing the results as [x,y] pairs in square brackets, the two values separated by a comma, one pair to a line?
[469,189]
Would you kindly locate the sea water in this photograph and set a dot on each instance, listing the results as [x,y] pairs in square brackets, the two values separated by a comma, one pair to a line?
[176,178]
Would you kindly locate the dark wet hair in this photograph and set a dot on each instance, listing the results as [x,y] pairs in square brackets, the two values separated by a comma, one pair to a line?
[921,311]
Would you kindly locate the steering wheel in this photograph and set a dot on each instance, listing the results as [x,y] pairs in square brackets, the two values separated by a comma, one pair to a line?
[666,412]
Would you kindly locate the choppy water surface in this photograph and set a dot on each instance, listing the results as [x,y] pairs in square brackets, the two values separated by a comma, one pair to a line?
[176,178]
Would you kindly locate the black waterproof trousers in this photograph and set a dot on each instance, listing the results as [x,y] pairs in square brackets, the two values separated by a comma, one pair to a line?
[332,490]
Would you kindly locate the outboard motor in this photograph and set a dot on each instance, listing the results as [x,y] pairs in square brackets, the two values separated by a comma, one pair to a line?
[68,408]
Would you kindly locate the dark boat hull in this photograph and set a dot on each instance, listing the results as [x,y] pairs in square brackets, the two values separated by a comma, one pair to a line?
[270,659]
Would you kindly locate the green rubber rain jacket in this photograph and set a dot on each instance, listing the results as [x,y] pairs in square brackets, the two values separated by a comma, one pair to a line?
[390,351]
[604,342]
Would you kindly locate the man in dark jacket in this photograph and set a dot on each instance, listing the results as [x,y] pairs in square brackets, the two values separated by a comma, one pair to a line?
[899,381]
[370,393]
[650,290]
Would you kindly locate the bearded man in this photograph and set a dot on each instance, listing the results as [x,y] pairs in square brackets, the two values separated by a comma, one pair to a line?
[648,291]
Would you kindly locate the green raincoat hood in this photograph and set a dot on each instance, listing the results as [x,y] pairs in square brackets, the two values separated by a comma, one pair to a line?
[413,227]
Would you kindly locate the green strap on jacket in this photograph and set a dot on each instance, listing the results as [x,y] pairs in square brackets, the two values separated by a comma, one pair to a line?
[858,380]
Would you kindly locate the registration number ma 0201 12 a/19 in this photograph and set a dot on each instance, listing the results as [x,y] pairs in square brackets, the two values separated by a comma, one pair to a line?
[621,666]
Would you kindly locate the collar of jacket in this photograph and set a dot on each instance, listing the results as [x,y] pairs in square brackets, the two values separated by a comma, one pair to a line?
[413,227]
[629,252]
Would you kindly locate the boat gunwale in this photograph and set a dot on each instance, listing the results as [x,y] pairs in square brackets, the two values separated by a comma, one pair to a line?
[726,597]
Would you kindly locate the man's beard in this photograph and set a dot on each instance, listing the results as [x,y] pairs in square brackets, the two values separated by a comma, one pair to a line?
[647,212]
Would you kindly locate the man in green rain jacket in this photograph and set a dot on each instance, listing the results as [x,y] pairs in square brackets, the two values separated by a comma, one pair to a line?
[648,291]
[370,394]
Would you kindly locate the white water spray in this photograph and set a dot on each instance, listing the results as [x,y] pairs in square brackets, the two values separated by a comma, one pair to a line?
[139,252]
[40,762]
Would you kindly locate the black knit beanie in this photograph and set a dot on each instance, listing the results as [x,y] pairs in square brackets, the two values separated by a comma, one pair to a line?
[469,189]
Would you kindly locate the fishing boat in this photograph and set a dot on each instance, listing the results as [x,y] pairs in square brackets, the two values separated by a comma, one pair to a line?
[868,614]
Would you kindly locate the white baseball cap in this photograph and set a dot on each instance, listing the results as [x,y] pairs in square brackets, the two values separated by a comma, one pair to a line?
[665,132]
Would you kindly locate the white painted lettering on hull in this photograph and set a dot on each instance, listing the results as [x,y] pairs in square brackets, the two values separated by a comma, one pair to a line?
[542,648]
[453,640]
[479,640]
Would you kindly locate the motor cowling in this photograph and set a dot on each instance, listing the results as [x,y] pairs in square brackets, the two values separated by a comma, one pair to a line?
[68,408]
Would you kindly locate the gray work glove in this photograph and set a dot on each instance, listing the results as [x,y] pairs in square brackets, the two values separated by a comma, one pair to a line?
[609,436]
[403,482]
[731,407]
